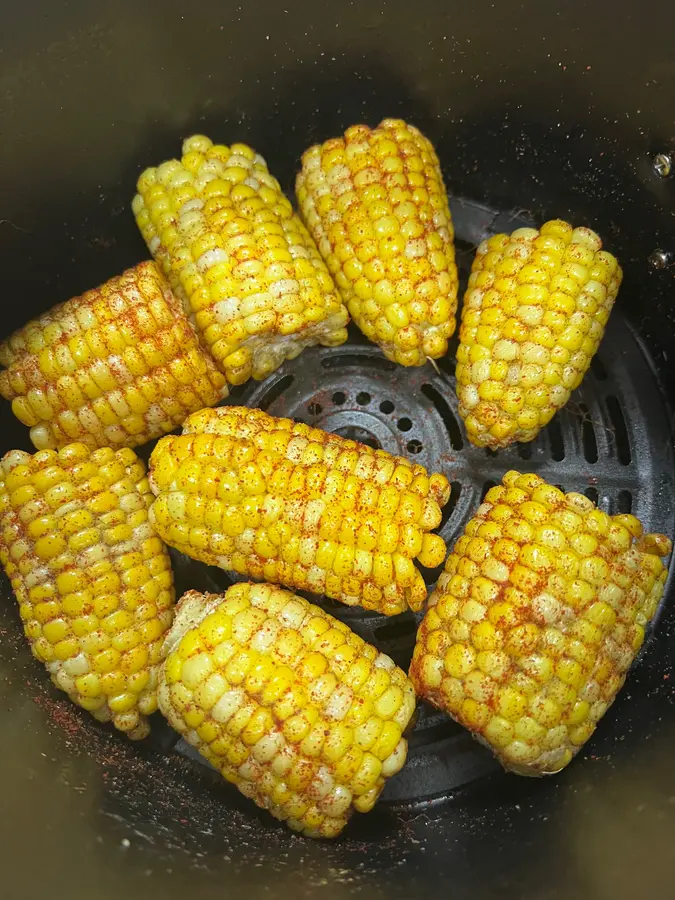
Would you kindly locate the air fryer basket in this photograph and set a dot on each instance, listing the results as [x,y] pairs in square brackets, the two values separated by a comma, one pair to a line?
[533,115]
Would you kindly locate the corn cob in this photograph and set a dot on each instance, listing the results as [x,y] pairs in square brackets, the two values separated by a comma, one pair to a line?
[533,316]
[118,366]
[532,627]
[292,707]
[289,504]
[377,208]
[92,578]
[239,257]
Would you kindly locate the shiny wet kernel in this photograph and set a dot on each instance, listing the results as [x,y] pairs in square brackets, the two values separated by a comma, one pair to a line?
[96,597]
[300,739]
[532,667]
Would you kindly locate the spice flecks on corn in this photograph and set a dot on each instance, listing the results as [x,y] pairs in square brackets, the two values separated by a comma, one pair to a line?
[288,504]
[377,207]
[533,316]
[118,366]
[291,706]
[532,627]
[243,263]
[93,580]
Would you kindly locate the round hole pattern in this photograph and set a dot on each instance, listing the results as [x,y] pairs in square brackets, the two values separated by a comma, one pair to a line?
[338,398]
[315,409]
[354,433]
[415,446]
[386,407]
[404,424]
[363,399]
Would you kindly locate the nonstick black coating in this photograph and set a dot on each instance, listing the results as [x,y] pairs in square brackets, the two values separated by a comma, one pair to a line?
[536,109]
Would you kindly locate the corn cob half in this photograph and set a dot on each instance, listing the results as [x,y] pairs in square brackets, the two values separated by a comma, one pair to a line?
[291,706]
[118,366]
[93,580]
[533,316]
[376,205]
[289,504]
[532,627]
[239,257]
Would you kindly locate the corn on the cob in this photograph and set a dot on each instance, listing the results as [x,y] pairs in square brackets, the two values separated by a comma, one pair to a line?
[532,627]
[118,366]
[292,707]
[376,205]
[289,504]
[93,580]
[533,316]
[239,257]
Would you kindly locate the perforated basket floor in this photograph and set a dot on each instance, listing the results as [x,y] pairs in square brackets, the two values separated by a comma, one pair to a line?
[612,442]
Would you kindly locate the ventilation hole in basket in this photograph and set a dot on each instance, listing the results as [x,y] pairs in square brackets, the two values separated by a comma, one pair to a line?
[275,391]
[448,509]
[354,433]
[315,409]
[345,360]
[598,368]
[386,407]
[400,628]
[486,487]
[525,451]
[363,399]
[625,502]
[592,494]
[444,411]
[588,441]
[620,431]
[338,398]
[555,439]
[404,424]
[415,446]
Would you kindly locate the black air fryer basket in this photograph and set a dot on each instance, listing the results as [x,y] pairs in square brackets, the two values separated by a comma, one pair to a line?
[537,111]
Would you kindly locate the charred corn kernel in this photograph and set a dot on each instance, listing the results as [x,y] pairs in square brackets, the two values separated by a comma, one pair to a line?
[544,652]
[242,262]
[118,366]
[534,313]
[337,545]
[98,621]
[375,202]
[311,746]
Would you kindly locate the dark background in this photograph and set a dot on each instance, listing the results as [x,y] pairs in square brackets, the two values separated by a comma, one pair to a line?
[551,109]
